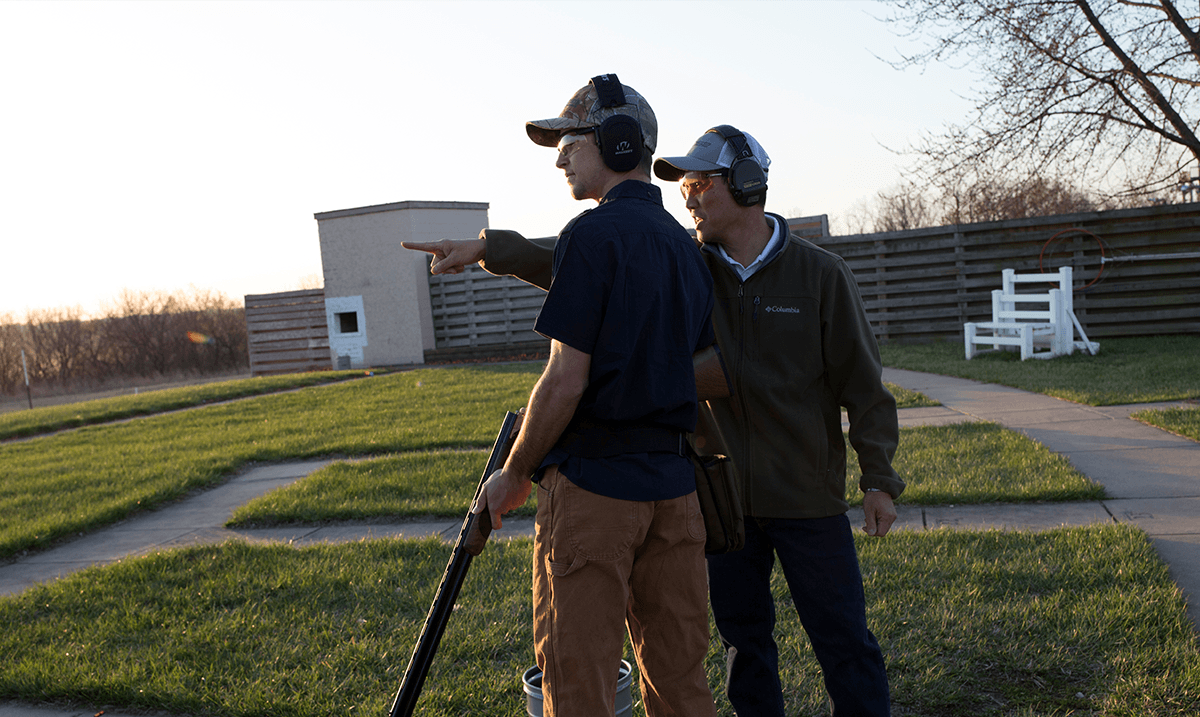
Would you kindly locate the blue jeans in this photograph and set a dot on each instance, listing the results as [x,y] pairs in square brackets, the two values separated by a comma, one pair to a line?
[821,567]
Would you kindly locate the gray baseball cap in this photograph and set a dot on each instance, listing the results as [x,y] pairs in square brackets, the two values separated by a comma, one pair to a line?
[585,110]
[711,153]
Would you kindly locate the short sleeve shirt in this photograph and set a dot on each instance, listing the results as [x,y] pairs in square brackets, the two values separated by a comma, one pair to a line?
[631,290]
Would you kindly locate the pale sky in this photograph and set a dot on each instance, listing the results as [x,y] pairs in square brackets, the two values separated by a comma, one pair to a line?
[155,146]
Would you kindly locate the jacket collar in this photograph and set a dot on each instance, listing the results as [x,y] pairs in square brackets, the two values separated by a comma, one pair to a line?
[634,189]
[781,225]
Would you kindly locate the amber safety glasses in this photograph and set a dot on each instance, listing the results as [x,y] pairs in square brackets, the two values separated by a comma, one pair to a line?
[689,187]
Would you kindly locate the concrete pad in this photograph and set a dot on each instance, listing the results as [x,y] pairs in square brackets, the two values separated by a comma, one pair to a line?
[276,471]
[1023,516]
[220,502]
[105,546]
[959,390]
[926,382]
[924,416]
[908,517]
[1065,435]
[191,514]
[1019,412]
[214,536]
[1181,553]
[513,528]
[1138,473]
[445,528]
[1160,517]
[285,534]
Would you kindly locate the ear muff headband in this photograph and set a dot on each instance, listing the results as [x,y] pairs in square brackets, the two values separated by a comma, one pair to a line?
[746,179]
[608,90]
[620,136]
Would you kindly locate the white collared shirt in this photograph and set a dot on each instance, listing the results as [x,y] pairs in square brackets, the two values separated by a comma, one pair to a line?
[745,272]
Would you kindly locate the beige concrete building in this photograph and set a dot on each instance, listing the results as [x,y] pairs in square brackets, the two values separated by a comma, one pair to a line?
[376,291]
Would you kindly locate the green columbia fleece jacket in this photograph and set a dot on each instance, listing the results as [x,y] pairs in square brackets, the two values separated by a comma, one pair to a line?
[798,347]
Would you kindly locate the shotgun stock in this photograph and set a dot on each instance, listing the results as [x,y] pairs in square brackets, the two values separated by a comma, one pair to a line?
[471,540]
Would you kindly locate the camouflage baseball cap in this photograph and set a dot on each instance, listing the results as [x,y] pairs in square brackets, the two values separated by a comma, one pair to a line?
[586,110]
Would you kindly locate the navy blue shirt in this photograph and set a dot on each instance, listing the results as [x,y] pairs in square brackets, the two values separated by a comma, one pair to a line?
[630,289]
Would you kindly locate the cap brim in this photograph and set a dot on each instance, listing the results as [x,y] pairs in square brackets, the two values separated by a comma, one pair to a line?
[546,132]
[672,169]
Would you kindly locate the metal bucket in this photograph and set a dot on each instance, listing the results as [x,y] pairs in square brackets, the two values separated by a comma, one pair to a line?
[623,702]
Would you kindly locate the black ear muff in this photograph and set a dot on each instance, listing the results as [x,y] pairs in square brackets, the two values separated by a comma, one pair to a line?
[746,178]
[620,141]
[620,136]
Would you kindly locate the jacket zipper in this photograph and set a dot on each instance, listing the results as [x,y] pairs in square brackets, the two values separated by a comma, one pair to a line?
[747,448]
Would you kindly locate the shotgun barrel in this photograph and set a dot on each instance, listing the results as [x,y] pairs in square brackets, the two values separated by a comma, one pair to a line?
[471,540]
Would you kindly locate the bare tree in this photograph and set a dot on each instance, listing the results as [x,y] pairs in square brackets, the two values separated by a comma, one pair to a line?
[907,209]
[60,342]
[141,335]
[999,198]
[1103,92]
[908,206]
[220,319]
[12,340]
[139,328]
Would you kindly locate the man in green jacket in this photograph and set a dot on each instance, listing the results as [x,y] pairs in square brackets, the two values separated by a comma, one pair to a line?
[798,347]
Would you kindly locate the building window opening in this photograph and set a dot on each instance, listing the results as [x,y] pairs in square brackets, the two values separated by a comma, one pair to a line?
[347,322]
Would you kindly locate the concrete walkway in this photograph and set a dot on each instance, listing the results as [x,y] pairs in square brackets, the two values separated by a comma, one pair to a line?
[1153,478]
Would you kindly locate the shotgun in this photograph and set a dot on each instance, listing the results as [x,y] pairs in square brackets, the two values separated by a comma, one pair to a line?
[471,540]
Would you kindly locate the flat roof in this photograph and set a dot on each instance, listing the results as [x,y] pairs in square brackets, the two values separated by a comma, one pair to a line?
[399,205]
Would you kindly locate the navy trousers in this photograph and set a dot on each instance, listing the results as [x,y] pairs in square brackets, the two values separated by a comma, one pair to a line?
[821,568]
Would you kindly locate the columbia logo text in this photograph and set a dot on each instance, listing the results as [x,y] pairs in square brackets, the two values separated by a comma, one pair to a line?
[782,309]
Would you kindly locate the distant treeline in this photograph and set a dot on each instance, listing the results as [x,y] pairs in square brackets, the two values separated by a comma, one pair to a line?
[143,335]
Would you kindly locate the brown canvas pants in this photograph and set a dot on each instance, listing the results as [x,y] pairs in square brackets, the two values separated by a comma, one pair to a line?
[600,563]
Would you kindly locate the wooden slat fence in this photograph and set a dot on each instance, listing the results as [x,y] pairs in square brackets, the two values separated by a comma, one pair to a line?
[287,332]
[479,315]
[1137,271]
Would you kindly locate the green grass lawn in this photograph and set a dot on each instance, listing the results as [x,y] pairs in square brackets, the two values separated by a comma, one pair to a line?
[977,462]
[413,485]
[1071,621]
[961,463]
[103,473]
[1182,421]
[84,413]
[1128,370]
[909,399]
[68,483]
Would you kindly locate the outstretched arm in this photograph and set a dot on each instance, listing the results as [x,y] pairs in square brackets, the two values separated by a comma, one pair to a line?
[499,251]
